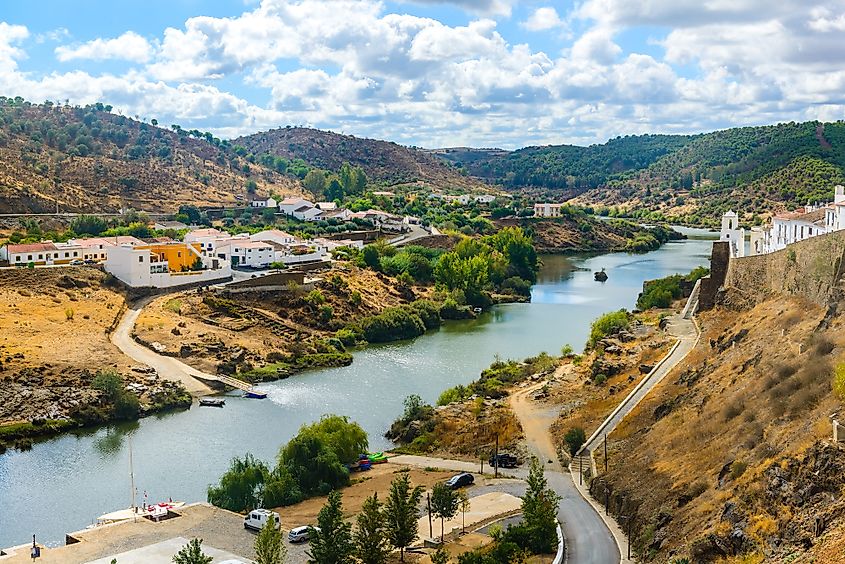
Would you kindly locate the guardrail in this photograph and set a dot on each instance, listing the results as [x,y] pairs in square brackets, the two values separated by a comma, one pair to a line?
[561,547]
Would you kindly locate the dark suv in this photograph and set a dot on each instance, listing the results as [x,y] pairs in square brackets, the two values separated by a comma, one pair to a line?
[505,460]
[460,480]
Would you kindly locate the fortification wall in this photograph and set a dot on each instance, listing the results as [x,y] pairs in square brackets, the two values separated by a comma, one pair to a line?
[811,268]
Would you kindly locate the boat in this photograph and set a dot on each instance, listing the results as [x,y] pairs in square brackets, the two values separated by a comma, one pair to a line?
[377,457]
[600,276]
[254,394]
[212,402]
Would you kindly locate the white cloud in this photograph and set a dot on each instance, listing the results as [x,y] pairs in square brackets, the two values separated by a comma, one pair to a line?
[10,35]
[128,47]
[482,7]
[543,19]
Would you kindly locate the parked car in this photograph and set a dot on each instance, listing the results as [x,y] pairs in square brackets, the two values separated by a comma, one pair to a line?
[300,534]
[77,262]
[505,460]
[460,480]
[90,261]
[257,518]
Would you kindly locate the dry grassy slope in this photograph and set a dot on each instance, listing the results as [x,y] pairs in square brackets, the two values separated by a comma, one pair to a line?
[93,183]
[567,234]
[383,161]
[45,358]
[188,315]
[743,395]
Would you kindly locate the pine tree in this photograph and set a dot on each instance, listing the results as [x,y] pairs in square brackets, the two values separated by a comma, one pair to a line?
[539,510]
[401,513]
[331,542]
[371,544]
[269,548]
[192,553]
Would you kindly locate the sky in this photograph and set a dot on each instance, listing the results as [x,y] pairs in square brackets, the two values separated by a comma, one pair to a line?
[435,73]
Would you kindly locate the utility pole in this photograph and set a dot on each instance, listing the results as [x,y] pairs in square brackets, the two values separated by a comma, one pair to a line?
[430,527]
[580,470]
[496,458]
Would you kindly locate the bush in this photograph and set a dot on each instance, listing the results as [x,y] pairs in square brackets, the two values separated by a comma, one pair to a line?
[608,324]
[517,286]
[392,324]
[355,298]
[315,298]
[453,395]
[574,439]
[347,336]
[428,311]
[326,313]
[451,309]
[839,381]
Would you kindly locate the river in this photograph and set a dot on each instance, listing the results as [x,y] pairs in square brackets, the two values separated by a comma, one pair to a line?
[64,483]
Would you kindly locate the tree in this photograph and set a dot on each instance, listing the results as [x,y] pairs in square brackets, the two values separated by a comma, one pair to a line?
[371,544]
[464,507]
[331,543]
[346,438]
[241,486]
[315,181]
[371,257]
[269,548]
[539,511]
[334,189]
[574,439]
[88,225]
[401,513]
[192,553]
[440,556]
[313,464]
[444,504]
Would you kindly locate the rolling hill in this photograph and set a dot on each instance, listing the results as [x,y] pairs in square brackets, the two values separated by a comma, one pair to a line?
[693,178]
[384,162]
[89,159]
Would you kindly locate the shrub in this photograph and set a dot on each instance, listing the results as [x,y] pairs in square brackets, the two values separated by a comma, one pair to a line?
[326,313]
[428,311]
[608,324]
[355,298]
[453,395]
[391,325]
[347,336]
[315,298]
[574,439]
[839,381]
[516,285]
[405,279]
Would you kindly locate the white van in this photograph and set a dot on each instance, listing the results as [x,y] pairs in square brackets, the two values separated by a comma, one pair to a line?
[256,519]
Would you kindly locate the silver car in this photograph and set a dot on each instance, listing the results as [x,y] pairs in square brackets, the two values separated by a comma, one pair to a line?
[300,534]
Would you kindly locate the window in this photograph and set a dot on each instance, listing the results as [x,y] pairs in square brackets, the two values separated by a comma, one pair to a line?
[18,258]
[67,254]
[179,254]
[141,258]
[40,257]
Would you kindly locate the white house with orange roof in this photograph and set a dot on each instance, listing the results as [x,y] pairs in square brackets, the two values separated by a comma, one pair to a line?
[207,237]
[45,253]
[164,265]
[96,248]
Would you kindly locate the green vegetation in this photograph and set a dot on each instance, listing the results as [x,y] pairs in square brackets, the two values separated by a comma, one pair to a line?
[444,504]
[608,324]
[331,541]
[662,292]
[192,553]
[392,324]
[370,535]
[401,513]
[269,545]
[574,439]
[311,463]
[124,403]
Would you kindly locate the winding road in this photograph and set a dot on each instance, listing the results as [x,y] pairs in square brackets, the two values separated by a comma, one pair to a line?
[588,540]
[166,366]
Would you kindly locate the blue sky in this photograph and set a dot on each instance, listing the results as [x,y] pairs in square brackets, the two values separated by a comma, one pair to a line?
[486,73]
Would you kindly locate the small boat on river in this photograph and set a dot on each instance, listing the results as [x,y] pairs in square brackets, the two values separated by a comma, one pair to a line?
[255,394]
[212,402]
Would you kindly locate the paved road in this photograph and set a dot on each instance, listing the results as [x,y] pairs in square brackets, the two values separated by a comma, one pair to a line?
[588,540]
[686,332]
[417,232]
[166,366]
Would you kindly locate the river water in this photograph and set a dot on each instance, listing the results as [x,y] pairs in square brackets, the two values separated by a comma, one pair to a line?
[63,484]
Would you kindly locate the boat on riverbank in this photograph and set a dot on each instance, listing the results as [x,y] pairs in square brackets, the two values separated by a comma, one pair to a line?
[212,402]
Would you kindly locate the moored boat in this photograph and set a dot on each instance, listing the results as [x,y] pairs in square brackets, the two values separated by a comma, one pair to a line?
[254,394]
[212,402]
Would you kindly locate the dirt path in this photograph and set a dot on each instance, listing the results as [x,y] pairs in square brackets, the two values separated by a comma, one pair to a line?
[166,366]
[588,540]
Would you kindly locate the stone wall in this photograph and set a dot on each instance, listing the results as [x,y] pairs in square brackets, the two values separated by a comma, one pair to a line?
[719,258]
[811,268]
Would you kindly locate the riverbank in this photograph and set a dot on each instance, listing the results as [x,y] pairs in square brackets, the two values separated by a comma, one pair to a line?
[199,443]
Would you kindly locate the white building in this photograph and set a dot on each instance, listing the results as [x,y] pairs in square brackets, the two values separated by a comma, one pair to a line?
[242,251]
[327,206]
[207,239]
[94,248]
[484,198]
[264,203]
[547,210]
[274,235]
[299,208]
[41,254]
[732,234]
[164,265]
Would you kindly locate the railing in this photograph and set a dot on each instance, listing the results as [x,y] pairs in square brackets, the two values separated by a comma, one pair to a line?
[561,547]
[235,383]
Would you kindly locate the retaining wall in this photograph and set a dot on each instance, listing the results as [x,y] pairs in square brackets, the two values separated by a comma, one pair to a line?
[811,268]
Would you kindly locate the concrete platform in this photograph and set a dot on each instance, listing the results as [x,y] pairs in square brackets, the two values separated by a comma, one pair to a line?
[162,553]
